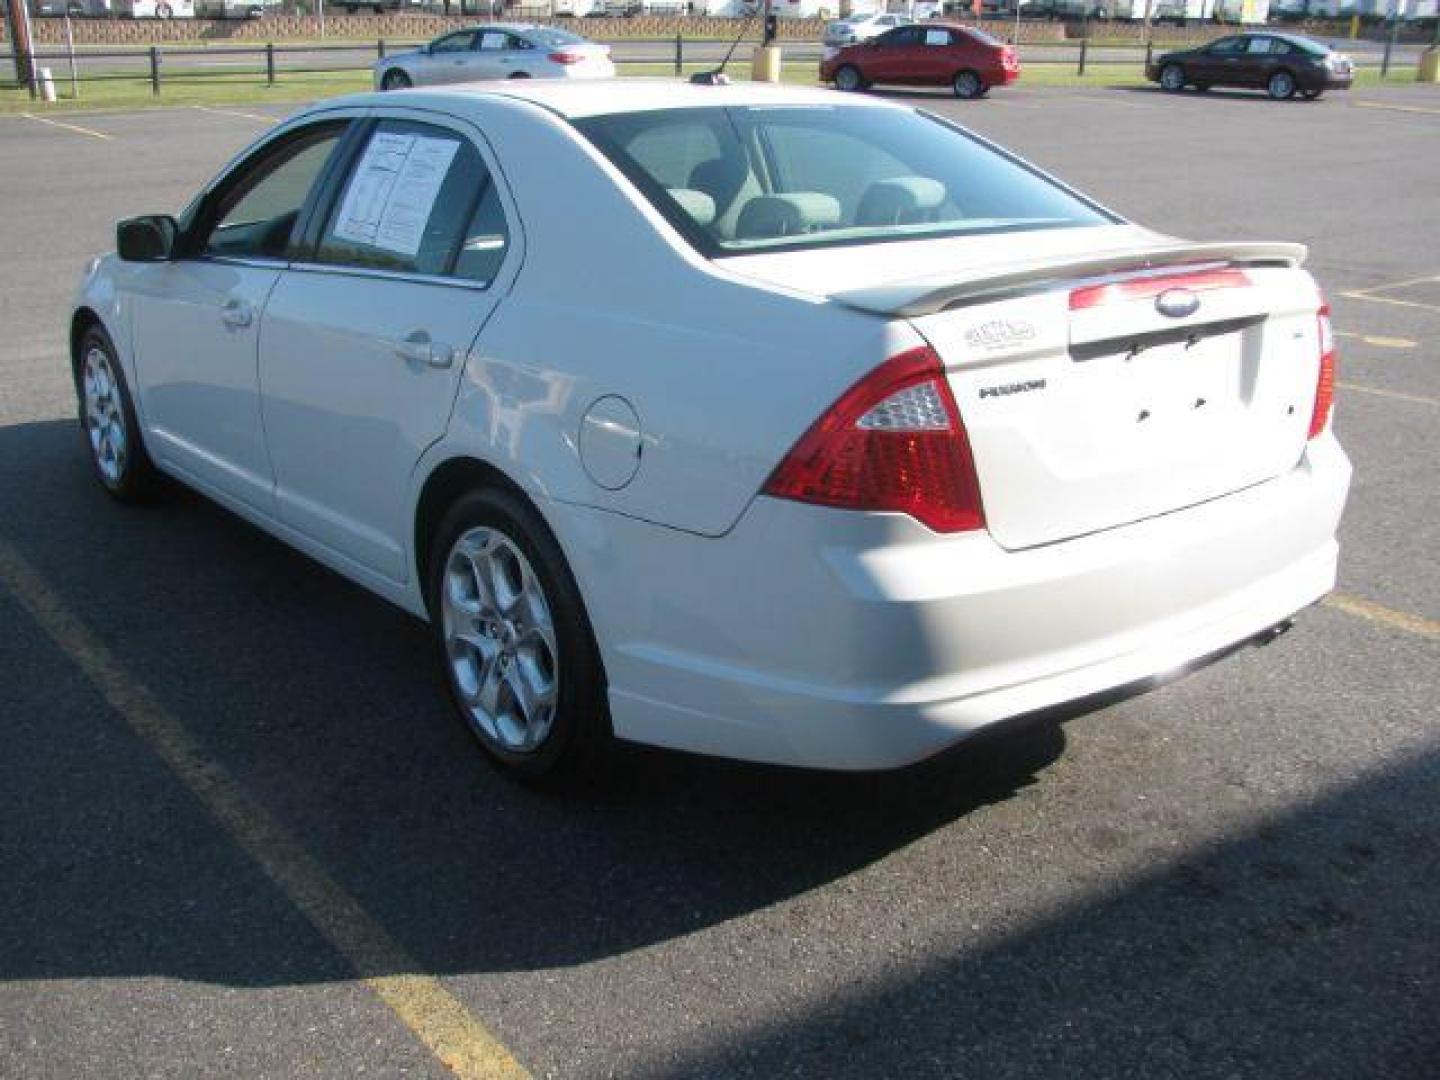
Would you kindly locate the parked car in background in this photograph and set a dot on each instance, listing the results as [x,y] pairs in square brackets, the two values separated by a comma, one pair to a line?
[1280,64]
[747,420]
[966,59]
[498,51]
[859,28]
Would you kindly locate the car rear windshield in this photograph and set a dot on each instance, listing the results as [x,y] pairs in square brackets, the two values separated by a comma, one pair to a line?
[742,179]
[1308,47]
[554,39]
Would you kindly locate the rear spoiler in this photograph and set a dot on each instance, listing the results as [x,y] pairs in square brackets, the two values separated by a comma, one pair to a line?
[926,296]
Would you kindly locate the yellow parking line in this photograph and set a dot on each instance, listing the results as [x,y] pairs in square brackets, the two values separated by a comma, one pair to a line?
[1390,300]
[1394,108]
[68,127]
[1396,394]
[1377,341]
[237,112]
[1378,613]
[435,1017]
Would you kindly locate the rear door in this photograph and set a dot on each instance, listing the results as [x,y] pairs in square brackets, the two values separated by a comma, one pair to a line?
[1090,407]
[893,59]
[1221,63]
[366,336]
[1260,61]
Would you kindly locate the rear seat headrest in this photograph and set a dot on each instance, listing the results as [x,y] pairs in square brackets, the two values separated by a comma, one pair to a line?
[698,205]
[899,200]
[792,214]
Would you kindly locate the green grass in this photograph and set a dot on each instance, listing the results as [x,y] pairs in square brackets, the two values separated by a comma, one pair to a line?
[241,89]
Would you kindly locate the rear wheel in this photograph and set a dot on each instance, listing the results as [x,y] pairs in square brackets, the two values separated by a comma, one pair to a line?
[967,84]
[849,79]
[1281,86]
[519,657]
[107,420]
[1172,78]
[395,79]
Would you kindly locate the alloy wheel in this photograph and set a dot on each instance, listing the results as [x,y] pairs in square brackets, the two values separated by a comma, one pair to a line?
[104,416]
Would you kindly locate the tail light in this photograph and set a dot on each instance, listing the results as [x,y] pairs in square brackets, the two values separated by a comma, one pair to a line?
[567,57]
[894,441]
[1325,385]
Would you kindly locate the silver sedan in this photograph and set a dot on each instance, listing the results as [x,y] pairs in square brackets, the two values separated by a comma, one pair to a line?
[498,51]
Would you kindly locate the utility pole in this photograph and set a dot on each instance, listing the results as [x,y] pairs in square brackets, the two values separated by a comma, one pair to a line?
[21,46]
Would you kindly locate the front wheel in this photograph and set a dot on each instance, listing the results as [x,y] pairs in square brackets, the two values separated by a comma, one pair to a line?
[848,79]
[395,79]
[1281,86]
[968,85]
[519,656]
[1172,78]
[107,420]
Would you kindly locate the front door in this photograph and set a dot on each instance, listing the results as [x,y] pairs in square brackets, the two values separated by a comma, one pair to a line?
[366,336]
[196,320]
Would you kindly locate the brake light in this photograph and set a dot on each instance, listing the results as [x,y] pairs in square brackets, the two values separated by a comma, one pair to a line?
[1325,385]
[894,441]
[1147,288]
[567,57]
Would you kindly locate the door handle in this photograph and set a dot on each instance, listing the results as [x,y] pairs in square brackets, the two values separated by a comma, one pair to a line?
[236,313]
[417,348]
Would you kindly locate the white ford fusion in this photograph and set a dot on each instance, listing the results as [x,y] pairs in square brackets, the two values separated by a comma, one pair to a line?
[747,420]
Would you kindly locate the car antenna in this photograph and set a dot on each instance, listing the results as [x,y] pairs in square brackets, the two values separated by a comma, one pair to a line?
[718,77]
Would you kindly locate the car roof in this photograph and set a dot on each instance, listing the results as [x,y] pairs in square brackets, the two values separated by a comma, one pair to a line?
[574,98]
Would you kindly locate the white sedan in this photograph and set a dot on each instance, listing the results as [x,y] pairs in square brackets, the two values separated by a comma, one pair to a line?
[859,28]
[748,420]
[498,51]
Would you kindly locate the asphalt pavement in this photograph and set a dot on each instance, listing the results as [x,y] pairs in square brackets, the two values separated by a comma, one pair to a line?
[243,836]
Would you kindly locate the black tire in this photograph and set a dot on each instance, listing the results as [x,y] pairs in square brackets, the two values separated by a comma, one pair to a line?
[130,476]
[968,85]
[1172,78]
[395,79]
[518,75]
[1312,95]
[577,744]
[1281,86]
[1202,86]
[848,79]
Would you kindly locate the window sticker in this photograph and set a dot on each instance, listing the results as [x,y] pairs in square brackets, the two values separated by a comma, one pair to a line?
[393,192]
[937,37]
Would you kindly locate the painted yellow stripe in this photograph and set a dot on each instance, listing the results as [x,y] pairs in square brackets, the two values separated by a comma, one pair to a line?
[1390,300]
[1394,108]
[68,127]
[436,1018]
[1395,395]
[1378,613]
[236,112]
[1377,341]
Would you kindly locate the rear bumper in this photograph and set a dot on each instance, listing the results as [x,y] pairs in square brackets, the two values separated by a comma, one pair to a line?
[855,641]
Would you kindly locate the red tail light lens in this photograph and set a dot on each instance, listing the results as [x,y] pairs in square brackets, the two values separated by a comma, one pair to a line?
[1147,288]
[1325,386]
[894,441]
[567,57]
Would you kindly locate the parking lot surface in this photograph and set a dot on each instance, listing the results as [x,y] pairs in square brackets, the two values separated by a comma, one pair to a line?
[243,836]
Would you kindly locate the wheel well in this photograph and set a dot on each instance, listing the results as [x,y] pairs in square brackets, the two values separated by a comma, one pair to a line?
[80,322]
[446,484]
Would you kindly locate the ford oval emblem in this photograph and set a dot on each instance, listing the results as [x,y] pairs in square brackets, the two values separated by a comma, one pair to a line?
[1177,303]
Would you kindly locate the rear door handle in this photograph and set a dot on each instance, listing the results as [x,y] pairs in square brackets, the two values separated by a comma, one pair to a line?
[417,348]
[236,313]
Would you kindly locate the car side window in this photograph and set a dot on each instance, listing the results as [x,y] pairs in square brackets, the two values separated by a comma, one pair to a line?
[460,42]
[259,206]
[939,37]
[1226,46]
[905,35]
[418,200]
[1259,47]
[494,40]
[514,42]
[1280,48]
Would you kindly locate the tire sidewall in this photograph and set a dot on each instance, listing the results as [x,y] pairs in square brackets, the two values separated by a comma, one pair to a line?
[581,729]
[1289,86]
[858,84]
[967,85]
[395,79]
[137,480]
[1173,85]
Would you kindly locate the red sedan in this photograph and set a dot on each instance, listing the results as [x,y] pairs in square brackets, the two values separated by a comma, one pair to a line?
[967,60]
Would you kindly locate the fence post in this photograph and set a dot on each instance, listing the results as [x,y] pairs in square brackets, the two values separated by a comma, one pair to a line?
[1084,47]
[679,54]
[1149,54]
[269,63]
[155,70]
[380,49]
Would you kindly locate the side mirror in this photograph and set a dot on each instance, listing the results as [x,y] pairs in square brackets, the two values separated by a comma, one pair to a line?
[147,239]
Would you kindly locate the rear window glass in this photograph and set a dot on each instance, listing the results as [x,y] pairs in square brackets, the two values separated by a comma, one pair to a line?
[553,39]
[735,180]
